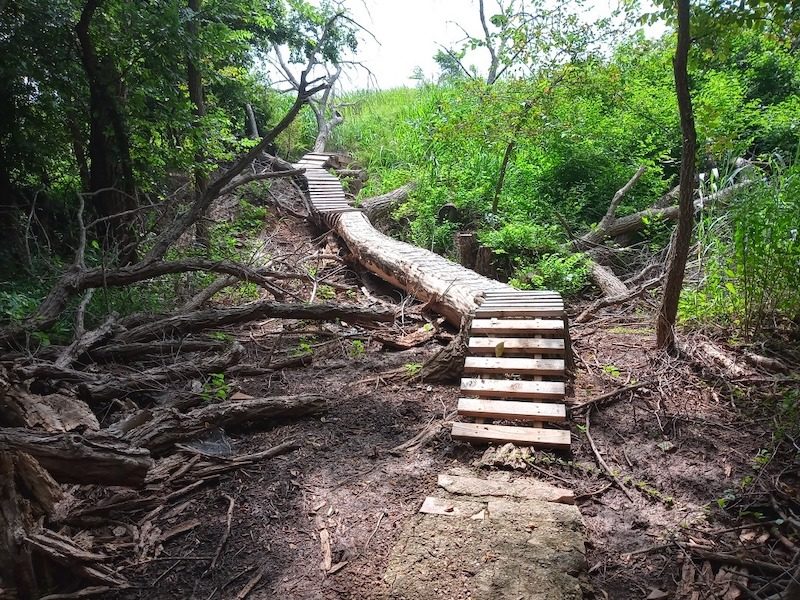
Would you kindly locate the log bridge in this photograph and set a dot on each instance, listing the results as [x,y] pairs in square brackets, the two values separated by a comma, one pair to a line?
[518,340]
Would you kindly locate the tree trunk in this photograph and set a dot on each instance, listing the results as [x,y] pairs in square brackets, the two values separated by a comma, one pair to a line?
[501,176]
[379,208]
[679,251]
[195,81]
[466,244]
[111,172]
[250,124]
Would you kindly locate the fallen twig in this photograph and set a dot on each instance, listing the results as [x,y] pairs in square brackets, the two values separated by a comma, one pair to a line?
[602,462]
[598,399]
[225,534]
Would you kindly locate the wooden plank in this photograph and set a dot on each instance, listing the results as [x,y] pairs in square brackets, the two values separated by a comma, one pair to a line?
[522,311]
[516,346]
[524,302]
[501,294]
[551,412]
[523,327]
[519,366]
[480,433]
[507,388]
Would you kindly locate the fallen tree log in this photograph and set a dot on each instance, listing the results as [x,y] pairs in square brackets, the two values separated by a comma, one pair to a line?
[379,208]
[54,412]
[94,457]
[181,324]
[164,427]
[110,387]
[145,350]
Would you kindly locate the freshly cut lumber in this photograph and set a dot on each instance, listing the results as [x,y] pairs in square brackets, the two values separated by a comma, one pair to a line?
[516,346]
[94,457]
[523,436]
[519,366]
[519,311]
[523,327]
[506,388]
[511,409]
[166,427]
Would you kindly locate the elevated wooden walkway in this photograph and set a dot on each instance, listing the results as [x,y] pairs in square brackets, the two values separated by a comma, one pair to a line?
[515,373]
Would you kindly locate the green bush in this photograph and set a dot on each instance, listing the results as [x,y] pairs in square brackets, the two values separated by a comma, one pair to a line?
[751,258]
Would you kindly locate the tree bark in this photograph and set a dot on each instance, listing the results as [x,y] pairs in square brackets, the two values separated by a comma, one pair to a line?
[679,251]
[153,380]
[166,427]
[379,208]
[111,178]
[195,82]
[93,457]
[251,126]
[178,325]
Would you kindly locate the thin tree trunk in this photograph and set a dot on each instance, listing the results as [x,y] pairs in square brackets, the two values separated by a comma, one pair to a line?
[195,81]
[250,124]
[501,177]
[679,251]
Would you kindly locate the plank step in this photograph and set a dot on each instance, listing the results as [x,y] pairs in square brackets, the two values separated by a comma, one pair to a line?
[524,327]
[524,436]
[507,388]
[520,366]
[519,311]
[516,346]
[512,409]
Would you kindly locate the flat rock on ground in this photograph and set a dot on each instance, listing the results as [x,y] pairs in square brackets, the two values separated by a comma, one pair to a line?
[486,545]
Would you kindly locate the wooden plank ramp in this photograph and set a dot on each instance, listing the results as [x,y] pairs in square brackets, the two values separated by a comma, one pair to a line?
[516,371]
[518,340]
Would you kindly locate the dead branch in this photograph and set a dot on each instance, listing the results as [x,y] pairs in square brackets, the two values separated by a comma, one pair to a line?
[166,427]
[601,461]
[607,396]
[181,324]
[426,434]
[590,311]
[152,380]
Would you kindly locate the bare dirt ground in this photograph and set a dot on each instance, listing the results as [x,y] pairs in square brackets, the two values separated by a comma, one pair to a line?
[690,451]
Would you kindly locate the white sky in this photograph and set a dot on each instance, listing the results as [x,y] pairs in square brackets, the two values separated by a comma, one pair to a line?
[411,31]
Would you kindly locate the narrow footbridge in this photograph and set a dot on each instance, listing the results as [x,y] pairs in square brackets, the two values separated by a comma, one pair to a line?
[513,386]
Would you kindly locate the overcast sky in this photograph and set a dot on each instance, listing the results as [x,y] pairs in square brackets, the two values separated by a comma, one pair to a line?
[409,32]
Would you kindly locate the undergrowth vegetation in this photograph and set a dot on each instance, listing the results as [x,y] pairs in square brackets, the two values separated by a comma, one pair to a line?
[574,135]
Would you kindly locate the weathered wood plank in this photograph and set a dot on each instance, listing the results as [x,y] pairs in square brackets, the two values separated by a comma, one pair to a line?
[519,312]
[506,388]
[479,433]
[516,346]
[514,410]
[520,366]
[522,327]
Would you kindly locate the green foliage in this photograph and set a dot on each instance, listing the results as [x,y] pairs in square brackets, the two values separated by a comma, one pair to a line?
[412,368]
[750,258]
[304,347]
[566,274]
[357,349]
[215,389]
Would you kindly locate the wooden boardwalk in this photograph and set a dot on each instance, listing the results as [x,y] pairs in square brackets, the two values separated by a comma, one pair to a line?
[513,385]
